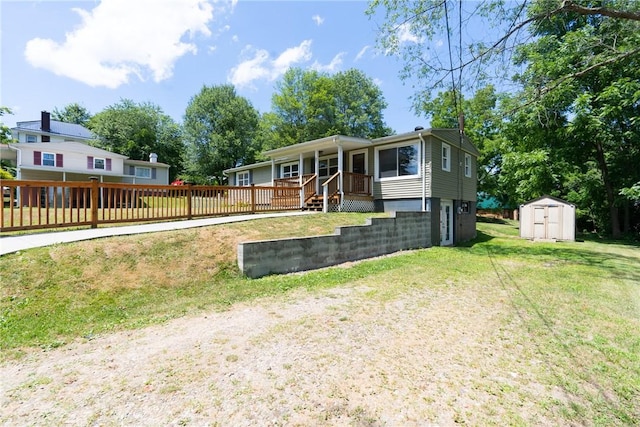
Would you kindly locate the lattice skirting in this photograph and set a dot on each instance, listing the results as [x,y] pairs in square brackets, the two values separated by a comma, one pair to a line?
[354,206]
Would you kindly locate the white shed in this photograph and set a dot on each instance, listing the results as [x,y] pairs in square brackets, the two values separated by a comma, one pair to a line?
[548,218]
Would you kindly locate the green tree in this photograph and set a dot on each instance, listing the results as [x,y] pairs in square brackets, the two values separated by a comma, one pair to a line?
[137,130]
[72,113]
[308,105]
[600,105]
[220,129]
[414,29]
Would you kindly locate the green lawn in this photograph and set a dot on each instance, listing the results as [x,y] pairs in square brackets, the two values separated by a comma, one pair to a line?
[574,308]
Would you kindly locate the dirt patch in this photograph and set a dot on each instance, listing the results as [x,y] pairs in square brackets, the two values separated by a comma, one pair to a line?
[436,356]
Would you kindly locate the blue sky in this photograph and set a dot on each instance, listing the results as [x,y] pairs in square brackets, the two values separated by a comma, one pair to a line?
[163,51]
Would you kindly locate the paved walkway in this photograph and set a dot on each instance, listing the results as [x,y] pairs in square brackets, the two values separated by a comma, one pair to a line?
[10,244]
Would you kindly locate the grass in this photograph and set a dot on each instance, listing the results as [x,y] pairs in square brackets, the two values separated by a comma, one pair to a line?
[572,308]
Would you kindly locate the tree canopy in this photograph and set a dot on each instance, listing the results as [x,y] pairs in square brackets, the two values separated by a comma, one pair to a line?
[72,113]
[308,105]
[137,130]
[220,129]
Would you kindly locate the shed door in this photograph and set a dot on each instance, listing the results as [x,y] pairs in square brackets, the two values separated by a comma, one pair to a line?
[554,224]
[539,223]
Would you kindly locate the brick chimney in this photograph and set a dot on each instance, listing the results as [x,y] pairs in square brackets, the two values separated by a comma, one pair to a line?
[45,125]
[45,122]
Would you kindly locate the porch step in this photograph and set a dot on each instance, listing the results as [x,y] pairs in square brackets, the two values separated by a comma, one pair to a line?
[315,203]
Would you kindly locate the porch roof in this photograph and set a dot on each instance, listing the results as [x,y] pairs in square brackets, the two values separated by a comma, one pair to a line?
[328,145]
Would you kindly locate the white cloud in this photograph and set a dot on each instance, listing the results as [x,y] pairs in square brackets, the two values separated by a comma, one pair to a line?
[361,53]
[235,38]
[331,67]
[259,64]
[120,38]
[317,19]
[377,81]
[405,35]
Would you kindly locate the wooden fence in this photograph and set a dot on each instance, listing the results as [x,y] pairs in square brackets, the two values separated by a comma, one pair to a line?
[30,205]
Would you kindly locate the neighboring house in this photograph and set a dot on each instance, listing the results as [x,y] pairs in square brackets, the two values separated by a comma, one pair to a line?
[56,151]
[548,218]
[431,170]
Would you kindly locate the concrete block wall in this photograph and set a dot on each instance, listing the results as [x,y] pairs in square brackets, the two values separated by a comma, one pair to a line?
[380,236]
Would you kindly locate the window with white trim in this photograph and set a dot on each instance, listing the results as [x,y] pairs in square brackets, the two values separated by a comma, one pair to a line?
[327,167]
[397,161]
[467,165]
[48,159]
[290,170]
[142,172]
[446,157]
[32,138]
[98,163]
[242,179]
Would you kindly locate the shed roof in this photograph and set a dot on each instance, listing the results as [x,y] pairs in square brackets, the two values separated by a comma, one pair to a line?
[539,199]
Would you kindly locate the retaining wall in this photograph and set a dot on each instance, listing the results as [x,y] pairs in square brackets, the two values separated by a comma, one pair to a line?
[380,236]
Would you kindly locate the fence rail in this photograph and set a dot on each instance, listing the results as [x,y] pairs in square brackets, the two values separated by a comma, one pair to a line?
[30,205]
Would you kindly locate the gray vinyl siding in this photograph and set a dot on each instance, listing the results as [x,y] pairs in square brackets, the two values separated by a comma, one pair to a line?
[401,188]
[261,175]
[445,184]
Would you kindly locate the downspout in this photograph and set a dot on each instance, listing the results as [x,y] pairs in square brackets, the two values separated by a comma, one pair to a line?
[18,171]
[423,160]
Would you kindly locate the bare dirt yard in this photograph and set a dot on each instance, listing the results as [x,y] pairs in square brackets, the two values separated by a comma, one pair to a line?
[332,357]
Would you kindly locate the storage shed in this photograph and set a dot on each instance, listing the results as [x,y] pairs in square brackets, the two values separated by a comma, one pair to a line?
[548,218]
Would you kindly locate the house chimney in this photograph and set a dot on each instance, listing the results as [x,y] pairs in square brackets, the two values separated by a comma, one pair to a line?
[45,121]
[153,158]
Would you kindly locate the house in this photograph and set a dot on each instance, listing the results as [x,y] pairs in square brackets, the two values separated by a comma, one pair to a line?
[432,170]
[50,150]
[548,218]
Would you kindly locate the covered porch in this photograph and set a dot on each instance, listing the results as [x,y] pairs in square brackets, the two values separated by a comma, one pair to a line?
[332,173]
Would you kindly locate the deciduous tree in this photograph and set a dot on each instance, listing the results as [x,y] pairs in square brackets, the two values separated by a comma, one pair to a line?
[137,130]
[220,133]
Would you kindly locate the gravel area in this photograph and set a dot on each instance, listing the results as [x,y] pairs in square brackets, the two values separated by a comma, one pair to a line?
[344,356]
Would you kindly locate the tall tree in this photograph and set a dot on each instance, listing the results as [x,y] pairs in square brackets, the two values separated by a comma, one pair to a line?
[414,30]
[309,105]
[137,130]
[220,129]
[72,113]
[600,104]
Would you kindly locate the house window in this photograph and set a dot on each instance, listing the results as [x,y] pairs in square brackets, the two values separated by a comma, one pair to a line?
[143,172]
[32,138]
[446,157]
[290,170]
[464,207]
[398,161]
[98,163]
[48,159]
[327,167]
[467,165]
[242,178]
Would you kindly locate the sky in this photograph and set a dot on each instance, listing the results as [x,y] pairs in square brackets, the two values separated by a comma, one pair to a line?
[98,52]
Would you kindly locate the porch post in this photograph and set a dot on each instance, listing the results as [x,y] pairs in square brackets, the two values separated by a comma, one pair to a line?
[273,172]
[341,177]
[317,166]
[301,180]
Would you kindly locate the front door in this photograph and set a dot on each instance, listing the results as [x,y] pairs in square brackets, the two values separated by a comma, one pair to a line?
[359,162]
[446,223]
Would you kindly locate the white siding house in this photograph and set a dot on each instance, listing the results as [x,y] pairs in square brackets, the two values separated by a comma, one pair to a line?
[50,150]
